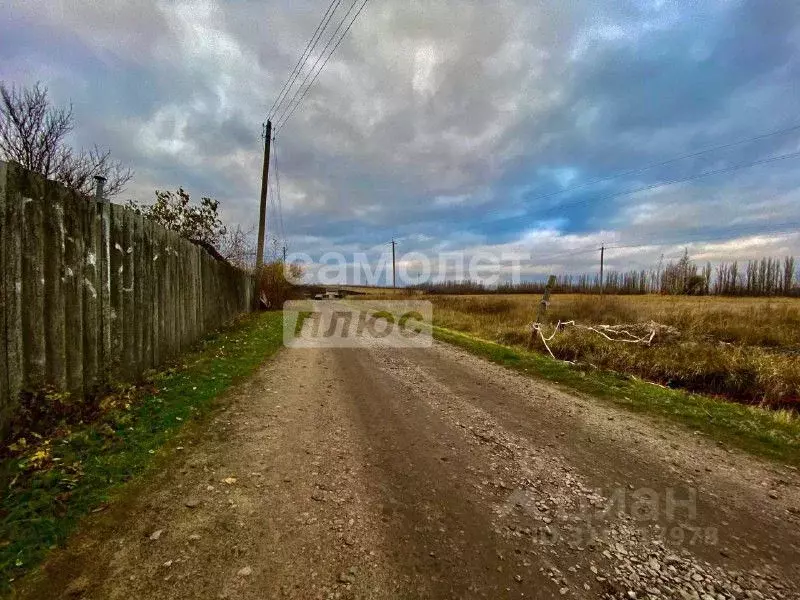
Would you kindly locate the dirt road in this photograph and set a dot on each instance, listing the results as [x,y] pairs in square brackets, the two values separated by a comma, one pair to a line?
[428,473]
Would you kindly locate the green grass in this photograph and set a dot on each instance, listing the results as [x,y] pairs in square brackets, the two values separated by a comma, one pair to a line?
[87,468]
[769,433]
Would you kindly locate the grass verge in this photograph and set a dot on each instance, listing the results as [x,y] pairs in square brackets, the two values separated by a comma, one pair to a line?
[79,473]
[770,433]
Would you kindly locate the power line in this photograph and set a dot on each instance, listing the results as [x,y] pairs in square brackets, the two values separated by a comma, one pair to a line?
[301,62]
[292,106]
[698,236]
[289,106]
[637,170]
[272,233]
[278,190]
[338,43]
[702,237]
[668,183]
[566,254]
[649,244]
[691,236]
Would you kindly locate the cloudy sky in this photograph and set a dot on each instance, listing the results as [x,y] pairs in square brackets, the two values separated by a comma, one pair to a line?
[449,125]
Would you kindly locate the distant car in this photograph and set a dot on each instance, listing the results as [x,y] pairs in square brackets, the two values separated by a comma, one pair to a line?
[319,297]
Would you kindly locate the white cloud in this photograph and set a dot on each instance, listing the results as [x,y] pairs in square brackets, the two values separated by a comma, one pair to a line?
[444,122]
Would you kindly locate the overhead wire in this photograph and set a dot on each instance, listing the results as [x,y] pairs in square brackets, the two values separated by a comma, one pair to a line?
[278,191]
[699,236]
[301,62]
[669,161]
[302,90]
[658,185]
[691,237]
[272,231]
[283,121]
[567,253]
[290,105]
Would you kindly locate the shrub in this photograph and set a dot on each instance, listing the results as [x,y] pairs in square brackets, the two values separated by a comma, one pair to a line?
[274,286]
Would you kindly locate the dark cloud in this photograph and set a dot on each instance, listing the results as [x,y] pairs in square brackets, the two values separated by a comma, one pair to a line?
[445,124]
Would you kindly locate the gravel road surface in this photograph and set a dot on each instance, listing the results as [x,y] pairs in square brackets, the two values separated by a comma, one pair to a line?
[429,473]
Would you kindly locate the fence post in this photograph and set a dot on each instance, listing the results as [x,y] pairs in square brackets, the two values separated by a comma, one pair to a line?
[54,317]
[5,399]
[543,304]
[104,266]
[92,311]
[33,300]
[545,301]
[74,254]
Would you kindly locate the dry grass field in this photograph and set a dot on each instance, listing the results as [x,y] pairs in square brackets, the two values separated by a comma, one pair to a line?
[747,349]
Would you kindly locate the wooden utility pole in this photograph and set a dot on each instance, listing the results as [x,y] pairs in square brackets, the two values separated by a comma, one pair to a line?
[284,254]
[394,268]
[602,259]
[262,217]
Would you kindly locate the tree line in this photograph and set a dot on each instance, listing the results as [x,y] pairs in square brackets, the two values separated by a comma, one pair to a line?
[763,277]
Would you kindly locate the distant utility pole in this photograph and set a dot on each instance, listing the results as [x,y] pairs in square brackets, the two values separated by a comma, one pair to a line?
[284,254]
[602,260]
[262,217]
[394,267]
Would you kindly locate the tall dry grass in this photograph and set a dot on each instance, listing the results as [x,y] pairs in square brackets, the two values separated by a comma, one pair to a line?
[742,348]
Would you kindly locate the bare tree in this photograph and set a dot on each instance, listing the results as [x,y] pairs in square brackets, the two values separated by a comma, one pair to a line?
[238,246]
[33,133]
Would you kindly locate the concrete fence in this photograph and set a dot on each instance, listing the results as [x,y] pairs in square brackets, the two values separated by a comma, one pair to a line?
[91,292]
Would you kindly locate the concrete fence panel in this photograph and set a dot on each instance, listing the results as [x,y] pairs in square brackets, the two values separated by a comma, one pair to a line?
[92,293]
